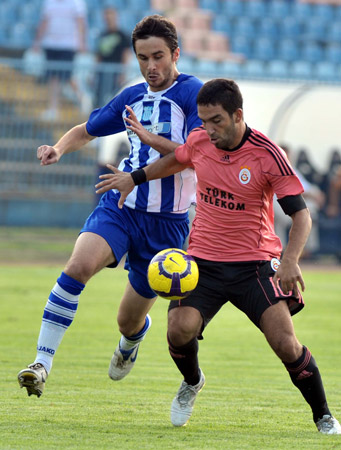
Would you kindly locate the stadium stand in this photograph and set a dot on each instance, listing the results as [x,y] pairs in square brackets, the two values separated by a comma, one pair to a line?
[277,40]
[295,30]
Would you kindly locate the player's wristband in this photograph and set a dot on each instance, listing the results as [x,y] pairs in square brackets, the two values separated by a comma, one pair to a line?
[139,176]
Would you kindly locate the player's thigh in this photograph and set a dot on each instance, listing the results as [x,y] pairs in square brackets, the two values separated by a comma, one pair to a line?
[189,316]
[150,235]
[91,253]
[251,289]
[113,225]
[277,326]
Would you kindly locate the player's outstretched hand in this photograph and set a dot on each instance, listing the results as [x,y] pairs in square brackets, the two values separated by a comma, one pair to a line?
[47,155]
[290,275]
[134,125]
[116,180]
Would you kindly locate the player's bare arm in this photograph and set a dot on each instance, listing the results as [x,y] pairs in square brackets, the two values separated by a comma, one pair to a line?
[159,143]
[124,182]
[73,140]
[289,271]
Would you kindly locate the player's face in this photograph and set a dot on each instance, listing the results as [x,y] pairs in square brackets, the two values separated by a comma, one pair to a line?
[223,130]
[157,63]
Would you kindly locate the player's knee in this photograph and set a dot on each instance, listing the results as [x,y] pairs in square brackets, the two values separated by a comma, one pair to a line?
[182,328]
[287,348]
[79,270]
[129,326]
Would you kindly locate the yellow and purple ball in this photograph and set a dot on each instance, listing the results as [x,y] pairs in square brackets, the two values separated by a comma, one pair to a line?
[173,274]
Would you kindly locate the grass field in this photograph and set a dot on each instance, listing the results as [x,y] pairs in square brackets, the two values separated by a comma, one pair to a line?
[248,401]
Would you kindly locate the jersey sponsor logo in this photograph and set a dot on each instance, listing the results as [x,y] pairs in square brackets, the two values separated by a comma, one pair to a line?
[221,199]
[245,175]
[275,263]
[147,112]
[156,128]
[41,348]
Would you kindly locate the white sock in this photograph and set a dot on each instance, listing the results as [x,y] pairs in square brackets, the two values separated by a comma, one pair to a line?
[128,343]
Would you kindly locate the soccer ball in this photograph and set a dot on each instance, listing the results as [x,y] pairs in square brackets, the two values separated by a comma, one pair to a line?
[173,274]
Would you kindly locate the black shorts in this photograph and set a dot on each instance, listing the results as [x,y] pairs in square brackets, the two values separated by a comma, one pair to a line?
[59,63]
[247,285]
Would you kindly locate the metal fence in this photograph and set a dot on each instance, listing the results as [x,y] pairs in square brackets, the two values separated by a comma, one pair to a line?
[61,194]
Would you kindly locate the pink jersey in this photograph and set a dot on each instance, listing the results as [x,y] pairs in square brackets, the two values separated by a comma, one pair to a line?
[234,217]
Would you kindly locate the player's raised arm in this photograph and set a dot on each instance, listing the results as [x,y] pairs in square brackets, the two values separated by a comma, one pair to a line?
[126,181]
[159,143]
[73,140]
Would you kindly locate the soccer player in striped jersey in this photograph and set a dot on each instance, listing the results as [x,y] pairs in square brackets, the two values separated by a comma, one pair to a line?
[155,215]
[234,243]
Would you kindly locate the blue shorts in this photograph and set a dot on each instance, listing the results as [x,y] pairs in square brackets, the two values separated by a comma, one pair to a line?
[138,234]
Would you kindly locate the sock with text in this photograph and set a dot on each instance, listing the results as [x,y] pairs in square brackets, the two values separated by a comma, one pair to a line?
[58,315]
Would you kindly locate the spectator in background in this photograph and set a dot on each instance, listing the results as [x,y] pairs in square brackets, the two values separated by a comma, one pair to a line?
[315,200]
[61,34]
[333,206]
[331,221]
[113,47]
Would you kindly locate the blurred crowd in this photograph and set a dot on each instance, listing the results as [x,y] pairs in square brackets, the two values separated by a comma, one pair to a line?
[322,193]
[62,37]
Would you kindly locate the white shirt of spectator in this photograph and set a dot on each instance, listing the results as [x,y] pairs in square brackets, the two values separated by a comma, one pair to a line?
[62,32]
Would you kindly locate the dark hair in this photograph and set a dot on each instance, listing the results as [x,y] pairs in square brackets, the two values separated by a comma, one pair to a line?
[221,92]
[158,26]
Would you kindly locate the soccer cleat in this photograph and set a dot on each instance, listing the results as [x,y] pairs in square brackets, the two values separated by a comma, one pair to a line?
[328,425]
[182,405]
[122,362]
[33,379]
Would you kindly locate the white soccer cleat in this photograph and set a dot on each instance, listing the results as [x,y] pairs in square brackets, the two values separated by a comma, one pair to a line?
[328,425]
[182,405]
[33,379]
[122,362]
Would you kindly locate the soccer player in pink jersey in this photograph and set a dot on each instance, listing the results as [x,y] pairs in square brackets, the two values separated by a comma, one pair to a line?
[234,243]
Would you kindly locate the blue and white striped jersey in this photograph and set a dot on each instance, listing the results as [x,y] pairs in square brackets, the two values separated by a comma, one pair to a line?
[171,113]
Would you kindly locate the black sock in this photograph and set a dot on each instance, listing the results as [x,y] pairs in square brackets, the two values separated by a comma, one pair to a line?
[305,375]
[186,359]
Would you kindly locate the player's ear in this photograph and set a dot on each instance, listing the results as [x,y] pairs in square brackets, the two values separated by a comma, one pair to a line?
[238,115]
[176,55]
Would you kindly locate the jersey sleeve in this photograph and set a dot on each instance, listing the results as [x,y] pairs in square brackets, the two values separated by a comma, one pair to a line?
[190,91]
[107,120]
[282,176]
[183,154]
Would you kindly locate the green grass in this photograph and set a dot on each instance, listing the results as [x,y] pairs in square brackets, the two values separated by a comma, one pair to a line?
[34,245]
[248,401]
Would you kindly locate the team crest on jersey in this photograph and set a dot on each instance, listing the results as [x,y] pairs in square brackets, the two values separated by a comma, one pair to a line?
[244,175]
[275,263]
[147,112]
